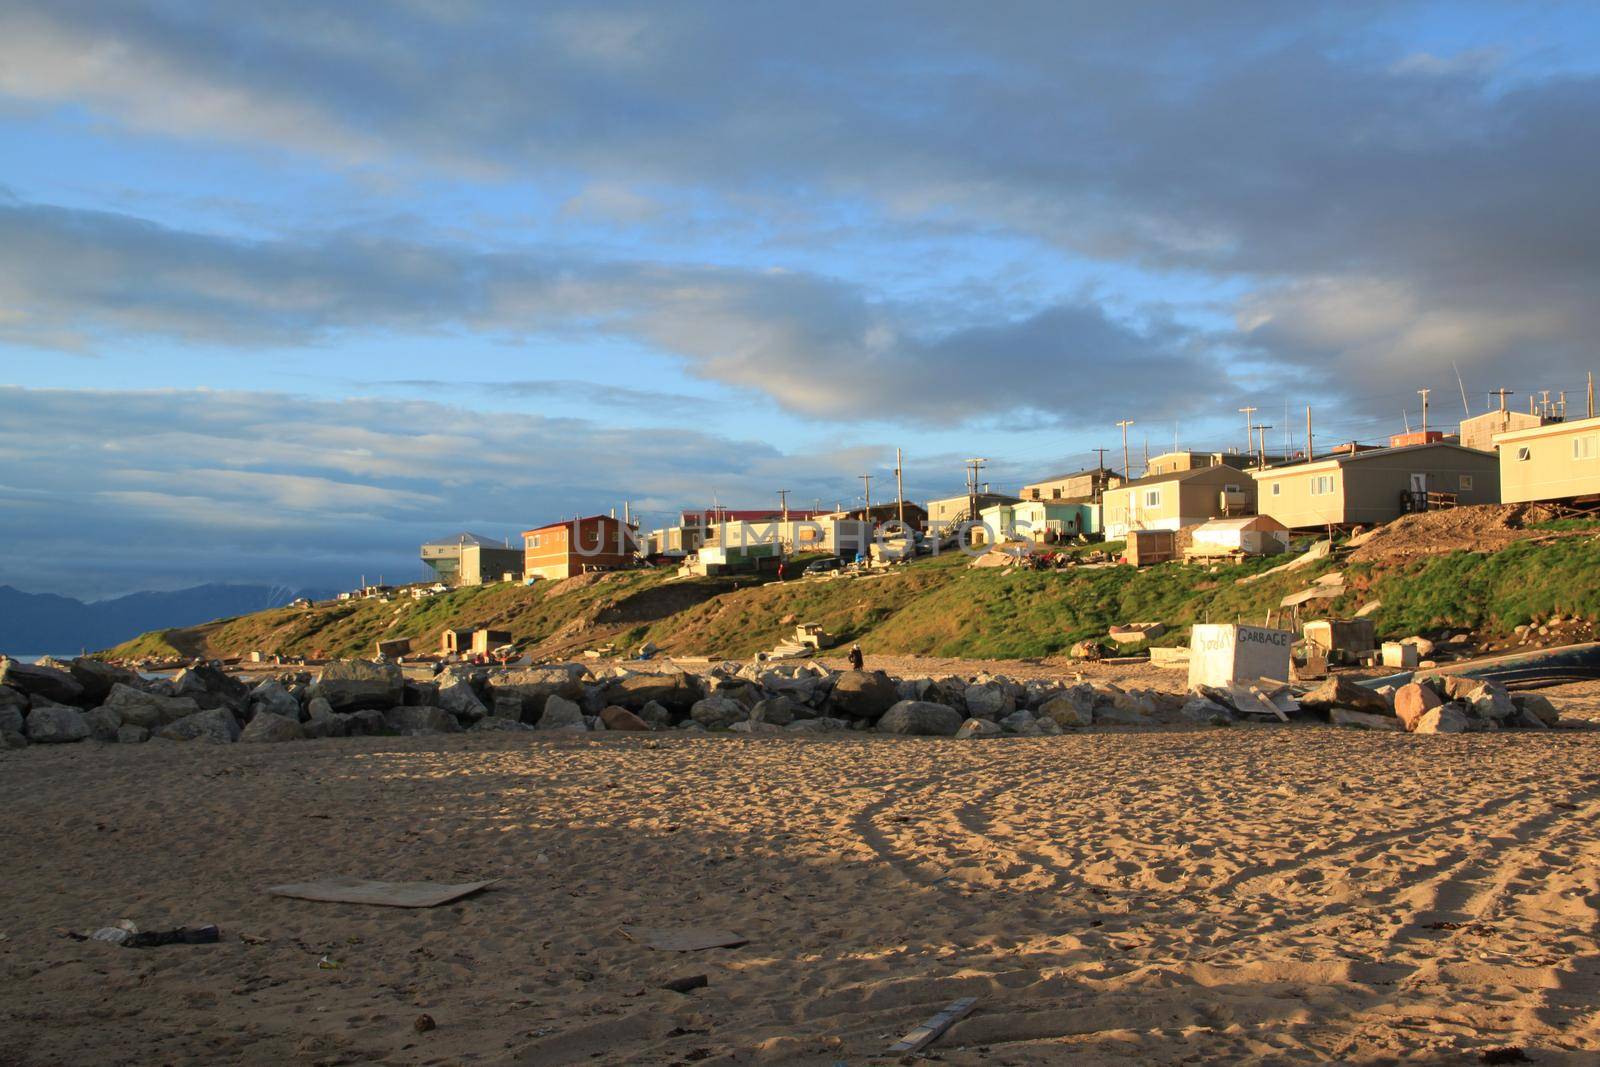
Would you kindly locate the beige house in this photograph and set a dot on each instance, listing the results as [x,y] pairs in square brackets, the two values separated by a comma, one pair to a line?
[1557,461]
[1376,485]
[1079,485]
[1184,460]
[1177,499]
[944,513]
[1479,431]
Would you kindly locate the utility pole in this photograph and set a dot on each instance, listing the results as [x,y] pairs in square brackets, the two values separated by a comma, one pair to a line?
[1124,424]
[1591,394]
[866,481]
[1502,393]
[899,489]
[1261,452]
[1147,454]
[1310,455]
[973,467]
[1544,401]
[1249,434]
[1424,394]
[1100,481]
[783,503]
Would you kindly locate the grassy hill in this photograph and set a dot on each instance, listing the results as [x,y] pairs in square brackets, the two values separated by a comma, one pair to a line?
[938,606]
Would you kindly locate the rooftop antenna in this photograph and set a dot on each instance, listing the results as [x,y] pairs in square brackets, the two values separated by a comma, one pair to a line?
[1502,393]
[1467,411]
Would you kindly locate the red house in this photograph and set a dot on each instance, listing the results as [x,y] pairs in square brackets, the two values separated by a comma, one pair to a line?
[576,546]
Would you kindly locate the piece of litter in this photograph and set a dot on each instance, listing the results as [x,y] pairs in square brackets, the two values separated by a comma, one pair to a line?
[327,963]
[386,894]
[114,934]
[254,939]
[920,1038]
[183,935]
[424,1023]
[685,985]
[688,938]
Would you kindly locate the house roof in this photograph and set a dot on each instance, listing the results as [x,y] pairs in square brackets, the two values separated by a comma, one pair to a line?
[1076,474]
[569,522]
[465,538]
[1178,476]
[1549,429]
[1331,462]
[1244,522]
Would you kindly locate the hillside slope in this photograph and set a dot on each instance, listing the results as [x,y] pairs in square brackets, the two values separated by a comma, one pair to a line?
[933,607]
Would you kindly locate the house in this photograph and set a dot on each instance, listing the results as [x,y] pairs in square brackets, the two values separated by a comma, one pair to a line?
[1185,460]
[953,510]
[470,559]
[1376,485]
[1248,535]
[1480,431]
[1177,499]
[1079,485]
[576,546]
[1040,520]
[916,516]
[1555,461]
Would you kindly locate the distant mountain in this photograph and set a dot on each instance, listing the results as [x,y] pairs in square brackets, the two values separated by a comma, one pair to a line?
[45,622]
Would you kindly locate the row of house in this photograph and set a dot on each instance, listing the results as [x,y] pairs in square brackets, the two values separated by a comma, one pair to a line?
[1498,456]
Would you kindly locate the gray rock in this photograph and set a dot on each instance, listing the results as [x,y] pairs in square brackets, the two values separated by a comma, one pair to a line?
[55,724]
[1071,708]
[1538,705]
[561,714]
[1365,719]
[150,710]
[11,719]
[11,739]
[674,691]
[1206,712]
[979,728]
[14,698]
[1491,701]
[209,687]
[128,734]
[921,718]
[216,725]
[357,685]
[1017,721]
[494,723]
[748,727]
[1445,719]
[989,700]
[39,681]
[1109,714]
[533,686]
[418,720]
[103,723]
[779,711]
[823,724]
[866,695]
[266,726]
[1341,692]
[656,715]
[368,722]
[97,678]
[271,697]
[459,699]
[718,713]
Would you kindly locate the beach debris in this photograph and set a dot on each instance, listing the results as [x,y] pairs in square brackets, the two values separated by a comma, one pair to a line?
[919,1038]
[183,935]
[255,939]
[423,1023]
[687,984]
[1509,1054]
[385,894]
[685,938]
[1341,692]
[117,934]
[1133,632]
[328,963]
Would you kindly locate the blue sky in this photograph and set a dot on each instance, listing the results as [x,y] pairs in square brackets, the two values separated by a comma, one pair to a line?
[286,290]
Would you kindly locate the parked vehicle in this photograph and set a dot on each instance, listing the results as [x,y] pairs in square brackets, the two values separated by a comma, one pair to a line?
[823,566]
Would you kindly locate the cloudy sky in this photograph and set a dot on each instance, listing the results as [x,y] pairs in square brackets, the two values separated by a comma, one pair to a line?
[286,289]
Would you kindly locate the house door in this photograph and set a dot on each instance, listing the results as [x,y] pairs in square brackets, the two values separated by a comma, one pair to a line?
[1419,483]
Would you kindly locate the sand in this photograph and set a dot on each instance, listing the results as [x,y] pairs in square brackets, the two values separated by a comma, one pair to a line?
[1247,895]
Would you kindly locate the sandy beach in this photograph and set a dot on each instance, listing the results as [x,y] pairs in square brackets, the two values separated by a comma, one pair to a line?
[1246,895]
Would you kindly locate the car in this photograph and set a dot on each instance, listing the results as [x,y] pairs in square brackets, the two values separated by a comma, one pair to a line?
[823,566]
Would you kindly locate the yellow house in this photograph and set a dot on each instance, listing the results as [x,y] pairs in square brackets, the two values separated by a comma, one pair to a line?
[1376,485]
[1177,499]
[1557,461]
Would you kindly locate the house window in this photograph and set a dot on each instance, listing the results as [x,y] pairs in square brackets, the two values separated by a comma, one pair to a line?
[1322,485]
[1055,494]
[1524,454]
[1152,498]
[1230,489]
[534,542]
[1587,447]
[1466,483]
[1277,488]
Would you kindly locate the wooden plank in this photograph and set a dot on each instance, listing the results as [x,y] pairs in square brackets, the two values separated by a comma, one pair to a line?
[920,1038]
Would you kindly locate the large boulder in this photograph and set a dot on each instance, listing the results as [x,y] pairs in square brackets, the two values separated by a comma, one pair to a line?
[1205,712]
[11,719]
[1071,707]
[104,723]
[867,695]
[1364,719]
[1538,705]
[97,678]
[267,726]
[1413,701]
[40,682]
[779,711]
[1442,719]
[1018,722]
[368,722]
[419,720]
[532,686]
[656,715]
[616,718]
[1491,702]
[459,698]
[492,723]
[561,714]
[674,691]
[822,724]
[150,710]
[14,698]
[1341,692]
[55,724]
[920,717]
[132,735]
[216,725]
[989,700]
[979,728]
[273,699]
[718,713]
[210,687]
[357,685]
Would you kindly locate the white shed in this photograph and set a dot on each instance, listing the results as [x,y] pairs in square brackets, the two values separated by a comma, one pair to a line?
[1250,535]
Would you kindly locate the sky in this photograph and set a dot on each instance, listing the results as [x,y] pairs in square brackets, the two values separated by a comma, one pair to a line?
[287,289]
